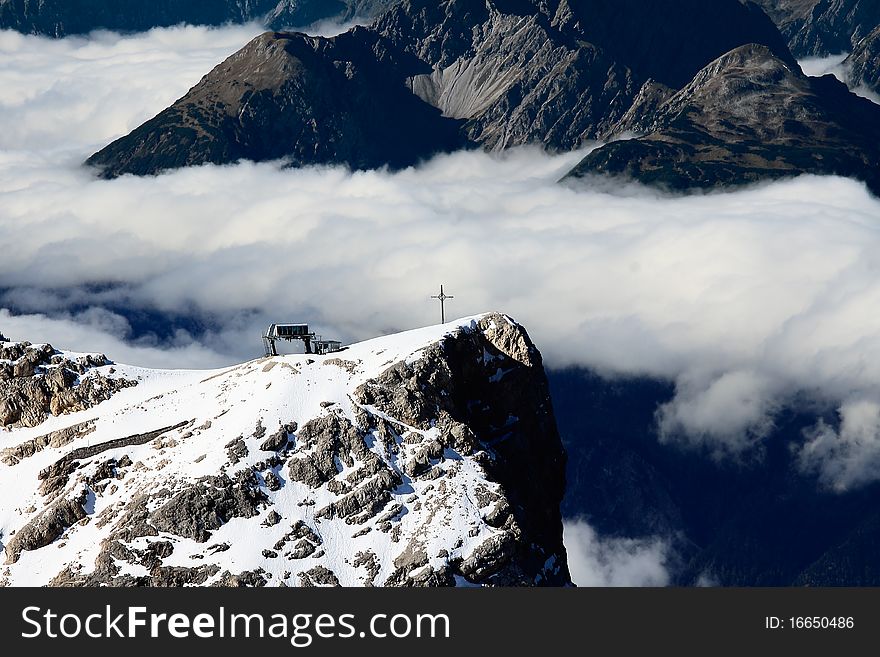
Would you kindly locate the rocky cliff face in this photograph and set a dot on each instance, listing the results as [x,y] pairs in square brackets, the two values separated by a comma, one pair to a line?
[426,458]
[823,27]
[863,65]
[60,18]
[494,74]
[746,117]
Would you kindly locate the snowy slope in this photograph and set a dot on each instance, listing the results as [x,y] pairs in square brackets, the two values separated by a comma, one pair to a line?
[221,477]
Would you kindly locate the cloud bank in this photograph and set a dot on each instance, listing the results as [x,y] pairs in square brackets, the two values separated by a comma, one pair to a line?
[746,300]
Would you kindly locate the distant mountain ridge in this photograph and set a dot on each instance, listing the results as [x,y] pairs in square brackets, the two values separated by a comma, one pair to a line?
[58,18]
[429,77]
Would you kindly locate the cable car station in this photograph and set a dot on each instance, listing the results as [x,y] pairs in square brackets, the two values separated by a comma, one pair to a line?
[290,332]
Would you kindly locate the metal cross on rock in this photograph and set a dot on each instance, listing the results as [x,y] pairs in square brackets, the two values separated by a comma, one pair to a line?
[442,297]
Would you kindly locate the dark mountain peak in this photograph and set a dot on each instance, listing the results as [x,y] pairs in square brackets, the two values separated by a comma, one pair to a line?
[747,116]
[311,100]
[743,70]
[730,79]
[438,32]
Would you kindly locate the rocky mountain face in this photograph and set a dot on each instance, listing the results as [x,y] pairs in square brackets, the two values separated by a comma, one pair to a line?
[748,116]
[308,99]
[711,89]
[753,521]
[426,458]
[863,65]
[494,74]
[60,18]
[823,27]
[829,27]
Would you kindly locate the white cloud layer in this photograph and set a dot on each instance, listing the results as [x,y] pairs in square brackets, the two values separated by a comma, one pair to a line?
[744,299]
[595,561]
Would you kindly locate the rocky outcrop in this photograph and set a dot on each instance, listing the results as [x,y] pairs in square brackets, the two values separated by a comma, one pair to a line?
[207,505]
[430,76]
[46,527]
[424,459]
[863,65]
[37,381]
[745,118]
[60,18]
[489,397]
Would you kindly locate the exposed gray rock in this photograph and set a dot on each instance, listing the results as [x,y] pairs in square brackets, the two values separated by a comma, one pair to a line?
[36,381]
[280,439]
[326,439]
[164,576]
[369,561]
[306,541]
[319,576]
[273,482]
[55,439]
[55,476]
[46,527]
[207,505]
[236,450]
[249,579]
[365,501]
[489,558]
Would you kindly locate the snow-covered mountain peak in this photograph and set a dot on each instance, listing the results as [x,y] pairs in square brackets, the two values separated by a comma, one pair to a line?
[425,457]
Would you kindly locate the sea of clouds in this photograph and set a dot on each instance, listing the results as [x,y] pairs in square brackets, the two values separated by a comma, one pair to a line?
[747,300]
